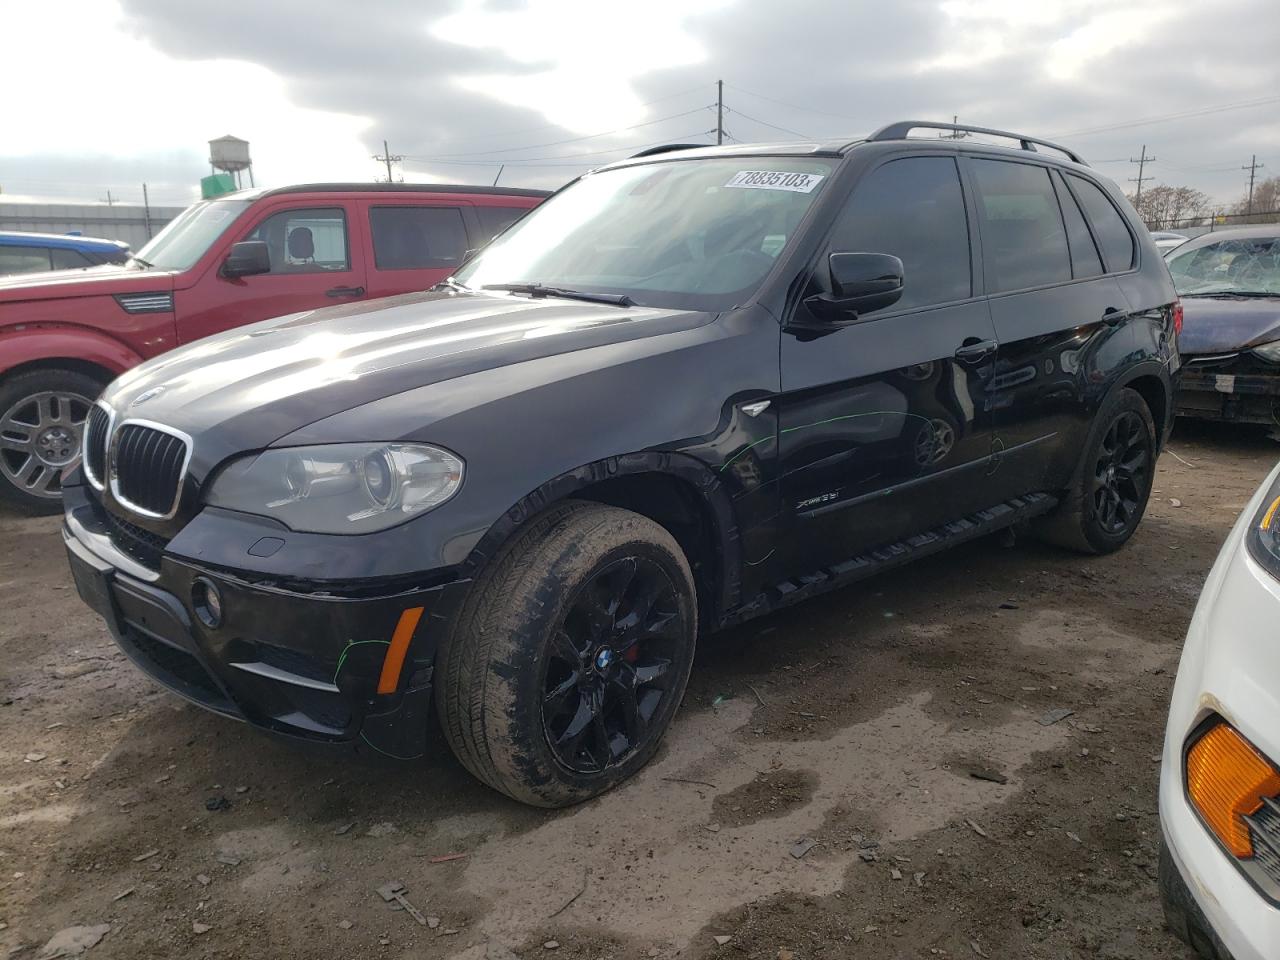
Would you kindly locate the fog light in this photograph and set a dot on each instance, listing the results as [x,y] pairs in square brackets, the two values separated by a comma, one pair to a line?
[206,601]
[1226,781]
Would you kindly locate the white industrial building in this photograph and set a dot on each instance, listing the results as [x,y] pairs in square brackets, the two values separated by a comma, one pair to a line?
[131,223]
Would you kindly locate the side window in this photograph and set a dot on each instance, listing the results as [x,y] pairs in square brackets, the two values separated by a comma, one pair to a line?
[23,259]
[493,220]
[1024,243]
[311,240]
[914,209]
[68,259]
[417,238]
[1109,227]
[1085,261]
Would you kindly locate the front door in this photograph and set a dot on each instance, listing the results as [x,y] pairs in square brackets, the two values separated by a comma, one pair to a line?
[316,261]
[884,426]
[414,246]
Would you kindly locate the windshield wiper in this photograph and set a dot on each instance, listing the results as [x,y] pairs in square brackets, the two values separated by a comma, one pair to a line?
[452,284]
[137,259]
[538,290]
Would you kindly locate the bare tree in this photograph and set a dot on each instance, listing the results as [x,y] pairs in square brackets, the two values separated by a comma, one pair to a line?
[1163,206]
[1266,200]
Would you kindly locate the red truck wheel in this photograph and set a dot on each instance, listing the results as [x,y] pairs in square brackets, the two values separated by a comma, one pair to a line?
[42,415]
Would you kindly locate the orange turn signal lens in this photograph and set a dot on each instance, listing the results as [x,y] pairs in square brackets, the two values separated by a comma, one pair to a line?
[1226,780]
[393,663]
[1270,515]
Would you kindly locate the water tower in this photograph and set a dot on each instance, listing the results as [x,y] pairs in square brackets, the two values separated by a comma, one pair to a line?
[231,155]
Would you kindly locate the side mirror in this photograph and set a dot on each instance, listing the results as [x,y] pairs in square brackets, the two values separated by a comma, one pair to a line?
[863,282]
[246,258]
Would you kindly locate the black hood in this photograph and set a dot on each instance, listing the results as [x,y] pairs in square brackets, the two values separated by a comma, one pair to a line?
[243,389]
[1227,324]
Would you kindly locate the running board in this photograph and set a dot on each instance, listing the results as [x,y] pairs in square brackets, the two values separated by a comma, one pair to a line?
[892,555]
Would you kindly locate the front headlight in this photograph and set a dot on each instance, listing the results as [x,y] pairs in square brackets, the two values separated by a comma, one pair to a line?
[1269,351]
[339,487]
[1263,537]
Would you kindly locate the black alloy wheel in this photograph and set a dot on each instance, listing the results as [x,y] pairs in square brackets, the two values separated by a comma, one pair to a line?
[1121,475]
[608,667]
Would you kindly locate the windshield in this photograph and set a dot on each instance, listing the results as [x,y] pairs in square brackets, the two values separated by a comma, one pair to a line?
[691,234]
[1245,265]
[190,234]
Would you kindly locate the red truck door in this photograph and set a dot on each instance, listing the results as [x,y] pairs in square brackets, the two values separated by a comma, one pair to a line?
[317,260]
[415,245]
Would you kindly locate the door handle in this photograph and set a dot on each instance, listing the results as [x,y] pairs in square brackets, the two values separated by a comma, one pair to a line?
[974,350]
[345,292]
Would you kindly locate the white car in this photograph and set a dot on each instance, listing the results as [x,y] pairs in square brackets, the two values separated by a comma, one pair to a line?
[1166,241]
[1220,775]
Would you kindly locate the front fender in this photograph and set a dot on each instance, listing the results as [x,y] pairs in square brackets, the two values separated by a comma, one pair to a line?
[712,496]
[19,347]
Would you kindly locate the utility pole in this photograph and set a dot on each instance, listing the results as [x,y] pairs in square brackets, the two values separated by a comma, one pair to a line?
[1253,167]
[719,111]
[388,158]
[111,201]
[146,210]
[1142,165]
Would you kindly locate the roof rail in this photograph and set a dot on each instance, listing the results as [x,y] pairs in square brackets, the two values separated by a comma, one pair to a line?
[899,131]
[668,148]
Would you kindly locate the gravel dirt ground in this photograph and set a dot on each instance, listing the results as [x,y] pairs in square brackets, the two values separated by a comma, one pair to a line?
[815,798]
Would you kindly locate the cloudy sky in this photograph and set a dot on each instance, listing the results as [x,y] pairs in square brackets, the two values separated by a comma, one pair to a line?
[117,92]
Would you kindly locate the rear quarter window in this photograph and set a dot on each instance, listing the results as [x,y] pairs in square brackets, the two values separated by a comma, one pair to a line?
[1118,249]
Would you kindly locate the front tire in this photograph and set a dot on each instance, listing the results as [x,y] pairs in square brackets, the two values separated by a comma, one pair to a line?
[570,655]
[1102,509]
[42,415]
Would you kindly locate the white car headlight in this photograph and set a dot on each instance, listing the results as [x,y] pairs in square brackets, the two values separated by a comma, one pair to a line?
[339,487]
[1269,351]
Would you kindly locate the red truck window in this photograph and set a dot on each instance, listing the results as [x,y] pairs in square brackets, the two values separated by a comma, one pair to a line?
[417,238]
[311,240]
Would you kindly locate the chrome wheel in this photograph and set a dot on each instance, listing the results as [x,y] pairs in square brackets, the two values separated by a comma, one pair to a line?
[39,436]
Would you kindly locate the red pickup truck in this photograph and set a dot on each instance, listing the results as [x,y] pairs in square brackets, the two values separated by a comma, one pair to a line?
[222,263]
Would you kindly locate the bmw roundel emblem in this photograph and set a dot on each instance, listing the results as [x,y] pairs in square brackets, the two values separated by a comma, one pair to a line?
[603,659]
[147,395]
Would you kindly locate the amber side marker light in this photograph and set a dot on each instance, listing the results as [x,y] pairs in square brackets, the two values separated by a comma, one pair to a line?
[394,662]
[1269,517]
[1226,780]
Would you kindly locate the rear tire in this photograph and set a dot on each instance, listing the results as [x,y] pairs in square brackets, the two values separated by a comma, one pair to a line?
[1109,496]
[570,655]
[42,414]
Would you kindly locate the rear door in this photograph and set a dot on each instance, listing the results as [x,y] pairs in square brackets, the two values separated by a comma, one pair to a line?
[884,430]
[415,245]
[1059,317]
[317,260]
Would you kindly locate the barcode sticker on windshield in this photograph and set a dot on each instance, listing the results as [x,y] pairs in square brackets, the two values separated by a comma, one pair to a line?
[775,180]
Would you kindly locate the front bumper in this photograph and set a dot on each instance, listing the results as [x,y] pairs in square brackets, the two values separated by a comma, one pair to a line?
[1235,390]
[1230,668]
[305,661]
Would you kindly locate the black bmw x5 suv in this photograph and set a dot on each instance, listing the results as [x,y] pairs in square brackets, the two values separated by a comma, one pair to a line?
[689,388]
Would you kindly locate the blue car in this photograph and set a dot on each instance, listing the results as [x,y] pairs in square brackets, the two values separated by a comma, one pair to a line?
[39,252]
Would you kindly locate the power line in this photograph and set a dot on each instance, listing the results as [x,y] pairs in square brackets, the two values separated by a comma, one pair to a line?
[766,123]
[1184,115]
[794,106]
[532,161]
